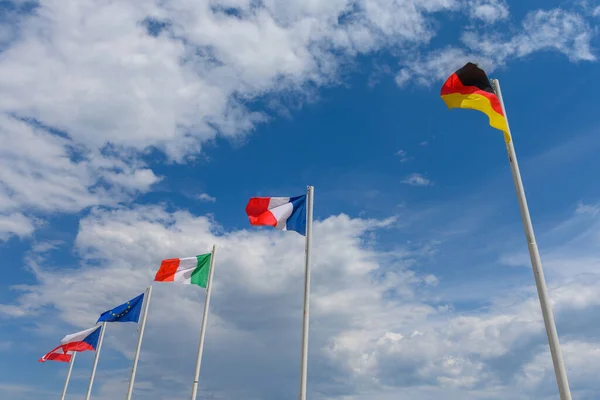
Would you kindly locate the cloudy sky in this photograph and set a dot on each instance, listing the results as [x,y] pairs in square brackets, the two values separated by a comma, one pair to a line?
[136,131]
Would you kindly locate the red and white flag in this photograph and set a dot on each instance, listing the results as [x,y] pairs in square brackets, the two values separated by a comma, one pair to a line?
[80,341]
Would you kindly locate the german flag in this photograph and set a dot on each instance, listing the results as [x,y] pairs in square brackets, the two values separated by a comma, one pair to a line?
[469,87]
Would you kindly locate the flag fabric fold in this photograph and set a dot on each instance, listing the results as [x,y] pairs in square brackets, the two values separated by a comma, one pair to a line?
[284,213]
[126,312]
[56,355]
[86,340]
[190,270]
[469,87]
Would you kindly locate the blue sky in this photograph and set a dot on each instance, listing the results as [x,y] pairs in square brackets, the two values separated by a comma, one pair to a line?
[119,148]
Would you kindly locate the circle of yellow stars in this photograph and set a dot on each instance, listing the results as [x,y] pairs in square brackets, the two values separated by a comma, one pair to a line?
[124,311]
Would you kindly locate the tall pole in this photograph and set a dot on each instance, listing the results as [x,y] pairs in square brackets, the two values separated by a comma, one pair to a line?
[536,263]
[305,319]
[203,327]
[139,344]
[89,391]
[64,393]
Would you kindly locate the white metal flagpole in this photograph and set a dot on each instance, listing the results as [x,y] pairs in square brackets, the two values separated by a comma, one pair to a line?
[64,393]
[139,344]
[536,263]
[99,347]
[305,319]
[203,326]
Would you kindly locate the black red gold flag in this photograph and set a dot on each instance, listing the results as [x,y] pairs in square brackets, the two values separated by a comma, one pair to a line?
[469,87]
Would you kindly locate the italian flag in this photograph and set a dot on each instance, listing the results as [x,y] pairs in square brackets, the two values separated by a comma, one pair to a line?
[190,270]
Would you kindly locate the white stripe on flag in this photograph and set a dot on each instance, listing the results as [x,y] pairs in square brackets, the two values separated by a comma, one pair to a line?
[184,271]
[278,201]
[78,336]
[282,213]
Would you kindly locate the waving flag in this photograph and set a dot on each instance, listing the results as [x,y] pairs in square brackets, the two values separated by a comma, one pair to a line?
[469,87]
[126,312]
[284,213]
[190,270]
[80,341]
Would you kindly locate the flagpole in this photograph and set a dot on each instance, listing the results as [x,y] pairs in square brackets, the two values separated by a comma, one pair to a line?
[203,326]
[64,393]
[99,347]
[305,318]
[536,263]
[139,343]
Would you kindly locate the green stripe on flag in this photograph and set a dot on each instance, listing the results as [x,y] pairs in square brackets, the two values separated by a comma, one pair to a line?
[200,274]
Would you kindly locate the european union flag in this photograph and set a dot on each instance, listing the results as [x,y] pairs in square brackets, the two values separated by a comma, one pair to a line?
[127,312]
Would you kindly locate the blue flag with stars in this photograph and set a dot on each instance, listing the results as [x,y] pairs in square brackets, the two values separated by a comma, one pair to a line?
[126,312]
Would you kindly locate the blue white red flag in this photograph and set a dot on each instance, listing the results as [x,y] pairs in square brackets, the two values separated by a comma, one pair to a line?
[284,213]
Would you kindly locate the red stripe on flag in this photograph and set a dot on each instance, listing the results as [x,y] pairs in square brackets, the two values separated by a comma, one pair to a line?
[56,354]
[258,212]
[59,357]
[454,85]
[77,346]
[167,270]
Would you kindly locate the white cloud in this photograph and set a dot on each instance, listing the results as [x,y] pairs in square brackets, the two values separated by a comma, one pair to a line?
[257,292]
[403,77]
[488,10]
[172,90]
[403,155]
[376,326]
[112,90]
[554,30]
[590,7]
[206,197]
[587,209]
[582,358]
[45,171]
[431,280]
[15,224]
[417,180]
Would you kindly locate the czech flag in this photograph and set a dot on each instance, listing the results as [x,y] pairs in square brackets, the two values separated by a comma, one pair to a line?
[80,341]
[284,213]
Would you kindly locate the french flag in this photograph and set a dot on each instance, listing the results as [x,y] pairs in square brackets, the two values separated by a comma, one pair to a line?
[80,341]
[284,213]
